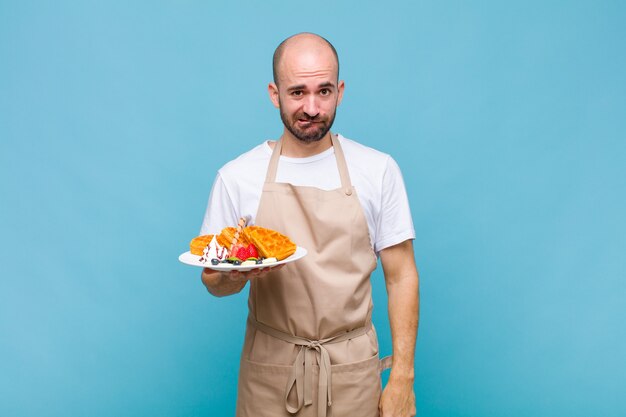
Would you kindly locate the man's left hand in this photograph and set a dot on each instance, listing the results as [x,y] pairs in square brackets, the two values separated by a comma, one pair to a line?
[398,399]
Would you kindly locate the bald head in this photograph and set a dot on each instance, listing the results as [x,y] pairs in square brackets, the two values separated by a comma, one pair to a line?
[297,44]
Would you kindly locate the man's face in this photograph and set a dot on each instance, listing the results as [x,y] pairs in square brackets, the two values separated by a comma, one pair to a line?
[304,126]
[308,93]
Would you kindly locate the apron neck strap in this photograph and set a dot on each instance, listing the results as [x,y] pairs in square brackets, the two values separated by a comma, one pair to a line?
[346,184]
[342,166]
[273,166]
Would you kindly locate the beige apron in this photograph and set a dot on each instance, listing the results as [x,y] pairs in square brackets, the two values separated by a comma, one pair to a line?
[310,348]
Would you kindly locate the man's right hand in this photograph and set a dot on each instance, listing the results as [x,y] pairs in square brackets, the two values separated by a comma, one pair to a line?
[221,283]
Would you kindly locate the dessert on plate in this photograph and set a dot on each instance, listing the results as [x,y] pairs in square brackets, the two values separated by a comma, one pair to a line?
[242,245]
[197,244]
[270,243]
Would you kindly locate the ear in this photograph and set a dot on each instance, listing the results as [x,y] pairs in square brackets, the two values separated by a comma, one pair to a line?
[340,87]
[272,89]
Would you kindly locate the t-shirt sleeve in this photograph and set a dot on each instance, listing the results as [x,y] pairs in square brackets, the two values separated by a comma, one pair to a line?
[395,224]
[220,211]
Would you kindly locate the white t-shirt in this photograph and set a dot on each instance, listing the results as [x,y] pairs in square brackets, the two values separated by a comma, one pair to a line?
[376,177]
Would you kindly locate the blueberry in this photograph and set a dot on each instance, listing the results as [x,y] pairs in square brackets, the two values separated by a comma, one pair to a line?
[259,261]
[215,261]
[237,262]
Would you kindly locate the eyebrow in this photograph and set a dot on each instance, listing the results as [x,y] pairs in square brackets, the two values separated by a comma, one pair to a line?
[303,87]
[297,87]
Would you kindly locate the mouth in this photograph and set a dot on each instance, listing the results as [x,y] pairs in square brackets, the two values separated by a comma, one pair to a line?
[308,122]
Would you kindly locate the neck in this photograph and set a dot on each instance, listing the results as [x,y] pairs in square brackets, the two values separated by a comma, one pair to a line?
[295,148]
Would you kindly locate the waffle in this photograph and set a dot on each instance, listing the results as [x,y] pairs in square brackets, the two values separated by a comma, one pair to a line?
[225,238]
[269,243]
[197,244]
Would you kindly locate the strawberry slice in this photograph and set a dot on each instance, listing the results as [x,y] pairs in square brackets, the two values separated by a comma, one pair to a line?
[253,253]
[243,253]
[234,253]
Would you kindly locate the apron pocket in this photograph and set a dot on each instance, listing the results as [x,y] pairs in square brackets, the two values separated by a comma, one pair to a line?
[261,389]
[356,388]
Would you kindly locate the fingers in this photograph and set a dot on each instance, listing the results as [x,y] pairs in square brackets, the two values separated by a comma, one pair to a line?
[253,273]
[264,271]
[246,275]
[235,276]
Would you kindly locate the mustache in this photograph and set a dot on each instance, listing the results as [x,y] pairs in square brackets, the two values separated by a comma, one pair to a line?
[308,118]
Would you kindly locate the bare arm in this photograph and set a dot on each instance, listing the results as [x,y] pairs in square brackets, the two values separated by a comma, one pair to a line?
[402,283]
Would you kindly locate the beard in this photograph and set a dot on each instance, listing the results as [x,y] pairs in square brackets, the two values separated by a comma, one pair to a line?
[320,125]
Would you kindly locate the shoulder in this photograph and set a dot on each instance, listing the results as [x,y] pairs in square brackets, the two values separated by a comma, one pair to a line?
[246,164]
[368,163]
[363,152]
[243,176]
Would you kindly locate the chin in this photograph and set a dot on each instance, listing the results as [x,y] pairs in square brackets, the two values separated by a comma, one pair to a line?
[307,139]
[310,137]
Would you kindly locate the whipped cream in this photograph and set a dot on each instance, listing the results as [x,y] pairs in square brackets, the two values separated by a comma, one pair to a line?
[215,250]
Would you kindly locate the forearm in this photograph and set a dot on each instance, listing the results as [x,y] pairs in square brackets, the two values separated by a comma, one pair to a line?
[402,283]
[403,296]
[221,284]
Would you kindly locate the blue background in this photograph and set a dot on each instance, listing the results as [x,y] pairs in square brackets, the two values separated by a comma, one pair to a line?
[508,121]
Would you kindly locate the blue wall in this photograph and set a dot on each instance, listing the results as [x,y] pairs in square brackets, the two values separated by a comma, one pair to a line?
[508,121]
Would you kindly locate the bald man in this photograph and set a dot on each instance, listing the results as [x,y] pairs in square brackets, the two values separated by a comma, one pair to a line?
[310,347]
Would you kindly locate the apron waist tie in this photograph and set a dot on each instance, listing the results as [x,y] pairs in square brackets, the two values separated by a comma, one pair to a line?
[301,376]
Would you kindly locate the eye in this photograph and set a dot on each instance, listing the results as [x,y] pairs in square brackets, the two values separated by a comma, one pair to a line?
[296,93]
[325,91]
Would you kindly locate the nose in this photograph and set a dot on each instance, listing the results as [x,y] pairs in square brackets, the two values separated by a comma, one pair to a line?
[311,106]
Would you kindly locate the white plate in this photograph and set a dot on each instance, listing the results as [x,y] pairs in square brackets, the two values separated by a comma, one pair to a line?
[191,259]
